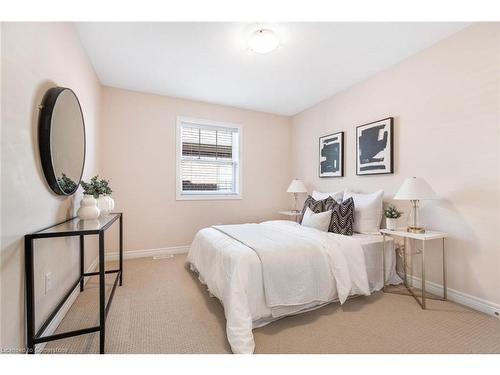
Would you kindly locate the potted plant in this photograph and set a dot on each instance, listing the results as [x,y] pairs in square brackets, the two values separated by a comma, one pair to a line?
[88,206]
[104,201]
[392,214]
[99,191]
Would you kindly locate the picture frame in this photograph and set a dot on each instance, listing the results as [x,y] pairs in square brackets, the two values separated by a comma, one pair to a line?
[375,147]
[331,155]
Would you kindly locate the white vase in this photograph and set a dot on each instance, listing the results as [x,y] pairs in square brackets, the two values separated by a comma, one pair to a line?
[391,224]
[88,208]
[105,204]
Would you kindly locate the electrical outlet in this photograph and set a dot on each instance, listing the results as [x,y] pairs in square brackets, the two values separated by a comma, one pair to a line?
[48,282]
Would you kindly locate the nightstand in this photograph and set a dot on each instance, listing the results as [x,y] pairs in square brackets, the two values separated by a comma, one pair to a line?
[291,214]
[423,237]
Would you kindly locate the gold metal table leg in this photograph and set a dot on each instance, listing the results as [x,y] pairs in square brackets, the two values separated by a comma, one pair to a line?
[405,262]
[445,288]
[423,275]
[383,262]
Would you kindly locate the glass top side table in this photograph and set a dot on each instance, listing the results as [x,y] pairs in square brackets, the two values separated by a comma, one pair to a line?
[72,228]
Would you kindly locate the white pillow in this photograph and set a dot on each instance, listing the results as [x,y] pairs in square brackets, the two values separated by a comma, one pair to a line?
[319,221]
[367,211]
[319,196]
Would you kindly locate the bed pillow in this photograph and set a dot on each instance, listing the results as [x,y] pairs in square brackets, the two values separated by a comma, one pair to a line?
[342,217]
[320,221]
[317,206]
[337,195]
[367,211]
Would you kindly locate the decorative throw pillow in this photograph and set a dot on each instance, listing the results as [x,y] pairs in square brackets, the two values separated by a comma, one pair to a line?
[342,221]
[320,221]
[317,206]
[337,195]
[367,211]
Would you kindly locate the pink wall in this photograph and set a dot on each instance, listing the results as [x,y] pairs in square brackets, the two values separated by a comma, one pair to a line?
[446,105]
[138,142]
[445,101]
[35,57]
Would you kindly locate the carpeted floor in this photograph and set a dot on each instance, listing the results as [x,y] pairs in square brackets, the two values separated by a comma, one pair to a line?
[162,308]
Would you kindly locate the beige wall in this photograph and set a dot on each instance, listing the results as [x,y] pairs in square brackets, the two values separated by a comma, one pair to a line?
[35,57]
[138,139]
[445,101]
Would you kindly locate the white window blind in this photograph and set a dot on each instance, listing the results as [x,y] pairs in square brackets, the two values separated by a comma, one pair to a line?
[208,159]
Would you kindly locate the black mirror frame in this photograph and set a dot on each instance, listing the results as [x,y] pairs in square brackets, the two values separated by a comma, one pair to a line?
[44,129]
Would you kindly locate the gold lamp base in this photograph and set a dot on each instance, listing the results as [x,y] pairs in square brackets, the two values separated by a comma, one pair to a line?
[415,230]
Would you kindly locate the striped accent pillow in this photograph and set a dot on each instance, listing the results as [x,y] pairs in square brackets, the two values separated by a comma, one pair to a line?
[342,217]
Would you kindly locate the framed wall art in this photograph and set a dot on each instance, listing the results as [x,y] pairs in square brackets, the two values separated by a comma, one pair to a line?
[331,155]
[375,148]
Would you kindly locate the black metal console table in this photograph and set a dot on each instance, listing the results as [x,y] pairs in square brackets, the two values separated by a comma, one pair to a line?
[69,228]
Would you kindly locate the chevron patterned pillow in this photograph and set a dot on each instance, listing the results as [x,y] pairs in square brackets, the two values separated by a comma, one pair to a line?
[342,217]
[317,206]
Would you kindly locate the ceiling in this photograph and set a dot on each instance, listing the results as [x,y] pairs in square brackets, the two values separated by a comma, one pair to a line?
[211,61]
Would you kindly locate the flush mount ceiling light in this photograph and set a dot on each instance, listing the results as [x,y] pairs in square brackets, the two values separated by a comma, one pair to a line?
[263,41]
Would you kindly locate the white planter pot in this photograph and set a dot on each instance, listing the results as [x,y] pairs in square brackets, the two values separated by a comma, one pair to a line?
[391,224]
[106,204]
[88,208]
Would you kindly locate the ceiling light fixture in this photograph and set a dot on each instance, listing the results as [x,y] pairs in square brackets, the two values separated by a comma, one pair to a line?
[263,41]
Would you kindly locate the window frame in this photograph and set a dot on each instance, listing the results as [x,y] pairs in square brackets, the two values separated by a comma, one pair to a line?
[180,195]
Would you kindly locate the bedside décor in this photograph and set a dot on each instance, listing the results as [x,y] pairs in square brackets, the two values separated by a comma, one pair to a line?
[392,214]
[331,155]
[415,189]
[296,187]
[61,140]
[374,148]
[101,191]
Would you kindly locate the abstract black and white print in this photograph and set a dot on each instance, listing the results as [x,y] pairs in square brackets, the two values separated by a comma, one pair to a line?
[331,155]
[374,147]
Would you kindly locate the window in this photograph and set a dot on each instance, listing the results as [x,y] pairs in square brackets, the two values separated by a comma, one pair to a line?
[208,159]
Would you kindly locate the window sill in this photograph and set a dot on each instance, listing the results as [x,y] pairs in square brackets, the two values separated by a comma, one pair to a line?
[207,197]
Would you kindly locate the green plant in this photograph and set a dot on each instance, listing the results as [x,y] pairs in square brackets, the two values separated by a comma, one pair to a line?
[66,184]
[96,187]
[391,212]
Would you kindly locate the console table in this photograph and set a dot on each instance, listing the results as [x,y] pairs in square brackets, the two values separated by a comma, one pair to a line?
[72,228]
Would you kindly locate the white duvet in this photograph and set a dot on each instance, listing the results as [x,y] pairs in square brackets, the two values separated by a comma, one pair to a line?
[234,273]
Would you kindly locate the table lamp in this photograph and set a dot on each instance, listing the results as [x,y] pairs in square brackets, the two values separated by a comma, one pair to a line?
[296,187]
[415,189]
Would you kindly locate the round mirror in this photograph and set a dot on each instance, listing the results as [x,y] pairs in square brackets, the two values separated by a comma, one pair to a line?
[61,139]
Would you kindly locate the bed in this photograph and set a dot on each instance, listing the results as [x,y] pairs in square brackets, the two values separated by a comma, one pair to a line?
[227,262]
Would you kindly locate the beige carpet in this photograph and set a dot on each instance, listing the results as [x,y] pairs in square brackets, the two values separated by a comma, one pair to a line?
[162,308]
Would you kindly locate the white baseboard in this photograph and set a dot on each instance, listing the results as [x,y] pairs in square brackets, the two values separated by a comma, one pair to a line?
[51,328]
[132,254]
[461,298]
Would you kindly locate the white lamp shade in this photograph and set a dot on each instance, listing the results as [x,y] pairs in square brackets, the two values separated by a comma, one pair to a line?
[297,186]
[415,188]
